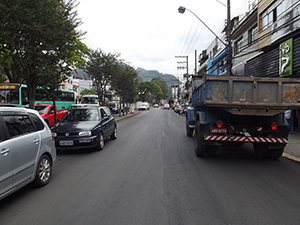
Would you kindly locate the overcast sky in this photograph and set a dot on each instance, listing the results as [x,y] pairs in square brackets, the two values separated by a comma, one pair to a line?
[149,34]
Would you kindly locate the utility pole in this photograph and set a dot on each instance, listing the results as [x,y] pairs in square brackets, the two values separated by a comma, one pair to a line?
[195,62]
[186,67]
[186,62]
[229,47]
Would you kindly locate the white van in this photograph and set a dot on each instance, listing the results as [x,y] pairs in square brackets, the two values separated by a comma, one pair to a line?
[89,100]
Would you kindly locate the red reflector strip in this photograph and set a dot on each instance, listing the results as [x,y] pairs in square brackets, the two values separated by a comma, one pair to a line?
[245,139]
[259,129]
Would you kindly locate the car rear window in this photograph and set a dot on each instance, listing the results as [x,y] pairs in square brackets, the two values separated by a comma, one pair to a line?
[18,125]
[36,121]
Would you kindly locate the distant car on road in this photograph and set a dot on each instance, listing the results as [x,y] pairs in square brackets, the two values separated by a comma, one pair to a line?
[166,106]
[85,128]
[27,149]
[155,106]
[143,107]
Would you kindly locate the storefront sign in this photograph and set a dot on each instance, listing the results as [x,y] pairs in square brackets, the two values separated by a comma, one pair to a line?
[286,58]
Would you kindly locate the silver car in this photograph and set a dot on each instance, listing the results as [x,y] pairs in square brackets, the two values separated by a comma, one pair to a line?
[27,149]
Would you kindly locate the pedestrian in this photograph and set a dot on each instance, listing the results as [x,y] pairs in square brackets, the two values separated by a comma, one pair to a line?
[289,117]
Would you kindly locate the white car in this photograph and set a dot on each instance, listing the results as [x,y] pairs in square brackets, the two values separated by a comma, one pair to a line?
[143,107]
[27,149]
[166,106]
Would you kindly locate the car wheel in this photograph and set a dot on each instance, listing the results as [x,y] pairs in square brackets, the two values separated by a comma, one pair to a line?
[114,134]
[43,171]
[101,142]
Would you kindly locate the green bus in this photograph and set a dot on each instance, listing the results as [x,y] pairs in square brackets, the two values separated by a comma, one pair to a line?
[13,93]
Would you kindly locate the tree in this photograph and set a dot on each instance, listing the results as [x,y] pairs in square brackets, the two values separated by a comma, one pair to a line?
[164,88]
[148,91]
[86,91]
[124,81]
[40,39]
[100,66]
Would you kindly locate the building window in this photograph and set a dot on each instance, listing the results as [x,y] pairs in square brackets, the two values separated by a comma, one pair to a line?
[267,18]
[275,12]
[238,46]
[252,35]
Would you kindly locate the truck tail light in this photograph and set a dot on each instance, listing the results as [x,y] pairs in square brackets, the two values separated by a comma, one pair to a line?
[274,126]
[219,123]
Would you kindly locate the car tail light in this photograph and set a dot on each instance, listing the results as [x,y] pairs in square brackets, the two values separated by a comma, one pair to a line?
[219,123]
[274,126]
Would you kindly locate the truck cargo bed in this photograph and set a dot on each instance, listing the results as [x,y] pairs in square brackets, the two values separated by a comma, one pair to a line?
[247,95]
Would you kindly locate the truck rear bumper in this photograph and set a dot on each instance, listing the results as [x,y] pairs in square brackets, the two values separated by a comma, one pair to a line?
[245,139]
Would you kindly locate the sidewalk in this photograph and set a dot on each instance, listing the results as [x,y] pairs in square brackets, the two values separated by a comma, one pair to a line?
[292,149]
[130,114]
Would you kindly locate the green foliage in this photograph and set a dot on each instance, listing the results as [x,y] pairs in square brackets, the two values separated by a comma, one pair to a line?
[124,81]
[148,91]
[100,67]
[86,91]
[164,88]
[38,42]
[2,78]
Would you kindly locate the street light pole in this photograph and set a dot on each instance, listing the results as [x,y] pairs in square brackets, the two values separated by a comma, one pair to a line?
[182,9]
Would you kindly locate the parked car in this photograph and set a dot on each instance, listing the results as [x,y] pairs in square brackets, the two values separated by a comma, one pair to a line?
[89,99]
[47,113]
[27,149]
[77,106]
[143,107]
[166,106]
[114,108]
[85,128]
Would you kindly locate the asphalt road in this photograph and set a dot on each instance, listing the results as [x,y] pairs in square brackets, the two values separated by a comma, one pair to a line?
[150,175]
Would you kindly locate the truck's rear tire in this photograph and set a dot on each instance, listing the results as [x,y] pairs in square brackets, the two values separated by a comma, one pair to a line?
[211,150]
[262,151]
[189,131]
[199,148]
[276,153]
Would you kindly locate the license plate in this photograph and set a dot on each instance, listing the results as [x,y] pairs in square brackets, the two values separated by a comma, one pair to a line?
[218,130]
[66,143]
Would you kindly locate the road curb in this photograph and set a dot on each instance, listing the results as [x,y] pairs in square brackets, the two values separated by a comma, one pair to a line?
[125,117]
[294,158]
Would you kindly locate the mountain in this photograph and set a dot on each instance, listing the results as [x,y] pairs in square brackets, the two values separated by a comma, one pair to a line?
[144,75]
[147,75]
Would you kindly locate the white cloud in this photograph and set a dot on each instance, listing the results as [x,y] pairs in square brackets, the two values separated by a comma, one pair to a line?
[149,34]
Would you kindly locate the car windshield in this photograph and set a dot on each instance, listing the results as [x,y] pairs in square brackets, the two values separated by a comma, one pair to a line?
[40,108]
[89,100]
[81,114]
